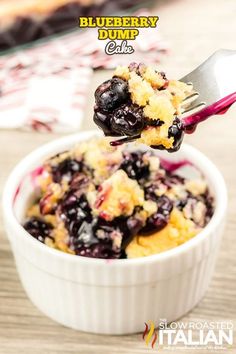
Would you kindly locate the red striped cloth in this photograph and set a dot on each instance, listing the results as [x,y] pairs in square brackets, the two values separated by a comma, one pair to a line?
[44,88]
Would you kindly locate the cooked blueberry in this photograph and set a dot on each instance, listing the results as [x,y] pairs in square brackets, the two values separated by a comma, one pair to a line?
[82,235]
[153,122]
[208,200]
[165,205]
[66,168]
[100,250]
[160,219]
[103,121]
[95,239]
[111,94]
[126,227]
[128,120]
[134,225]
[134,165]
[150,192]
[155,223]
[74,210]
[38,228]
[176,131]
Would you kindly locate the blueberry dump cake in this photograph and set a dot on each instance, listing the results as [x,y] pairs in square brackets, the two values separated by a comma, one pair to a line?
[103,201]
[141,104]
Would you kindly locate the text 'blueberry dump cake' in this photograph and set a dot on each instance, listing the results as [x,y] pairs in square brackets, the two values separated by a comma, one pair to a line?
[100,201]
[140,103]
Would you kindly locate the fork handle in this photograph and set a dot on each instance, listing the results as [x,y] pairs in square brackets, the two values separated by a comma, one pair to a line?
[219,107]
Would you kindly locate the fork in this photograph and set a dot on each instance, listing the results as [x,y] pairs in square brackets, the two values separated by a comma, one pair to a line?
[214,83]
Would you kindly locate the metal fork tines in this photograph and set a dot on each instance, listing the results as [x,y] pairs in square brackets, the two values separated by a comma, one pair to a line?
[212,81]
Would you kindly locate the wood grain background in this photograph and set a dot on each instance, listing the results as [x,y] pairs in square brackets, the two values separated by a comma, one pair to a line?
[194,29]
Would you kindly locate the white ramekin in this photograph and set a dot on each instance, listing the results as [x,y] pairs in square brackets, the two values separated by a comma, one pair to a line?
[118,296]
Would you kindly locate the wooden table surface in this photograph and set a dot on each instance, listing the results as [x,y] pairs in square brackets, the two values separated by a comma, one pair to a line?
[194,29]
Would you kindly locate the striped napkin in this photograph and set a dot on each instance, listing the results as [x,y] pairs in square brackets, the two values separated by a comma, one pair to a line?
[45,88]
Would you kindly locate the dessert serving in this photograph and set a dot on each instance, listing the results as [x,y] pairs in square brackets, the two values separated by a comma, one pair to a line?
[100,201]
[80,292]
[142,104]
[93,222]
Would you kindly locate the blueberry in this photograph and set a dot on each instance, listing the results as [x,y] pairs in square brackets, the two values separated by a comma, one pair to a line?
[67,167]
[106,228]
[74,210]
[126,227]
[134,165]
[155,223]
[133,226]
[38,228]
[89,236]
[95,239]
[165,205]
[100,250]
[177,132]
[83,236]
[111,94]
[153,122]
[150,192]
[207,199]
[128,120]
[103,120]
[159,220]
